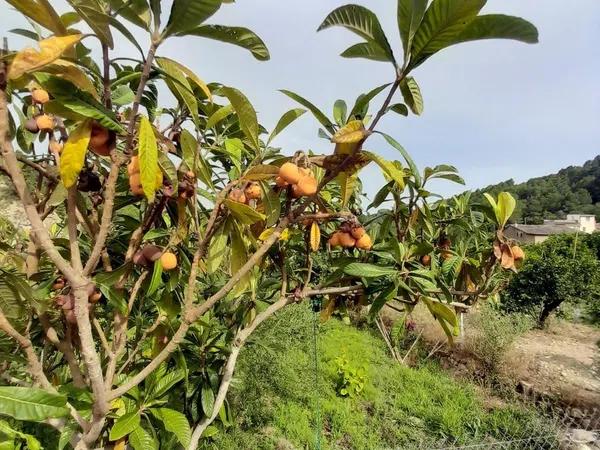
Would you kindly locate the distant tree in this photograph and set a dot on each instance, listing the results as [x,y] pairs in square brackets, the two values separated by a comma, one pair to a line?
[575,189]
[564,268]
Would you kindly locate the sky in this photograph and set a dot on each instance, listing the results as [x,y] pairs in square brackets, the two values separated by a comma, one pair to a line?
[494,109]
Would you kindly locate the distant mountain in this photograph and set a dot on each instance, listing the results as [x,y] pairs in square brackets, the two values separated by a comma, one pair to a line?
[575,189]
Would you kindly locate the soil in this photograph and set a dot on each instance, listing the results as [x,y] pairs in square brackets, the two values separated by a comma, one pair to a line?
[563,361]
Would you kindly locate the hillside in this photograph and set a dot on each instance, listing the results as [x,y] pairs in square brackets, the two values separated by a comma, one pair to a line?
[575,189]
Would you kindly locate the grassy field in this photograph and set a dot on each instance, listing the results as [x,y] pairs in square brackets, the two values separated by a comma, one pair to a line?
[277,402]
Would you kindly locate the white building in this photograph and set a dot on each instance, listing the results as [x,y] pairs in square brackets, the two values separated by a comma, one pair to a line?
[583,223]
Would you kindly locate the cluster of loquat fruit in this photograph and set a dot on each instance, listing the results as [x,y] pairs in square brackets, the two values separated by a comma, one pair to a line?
[302,180]
[102,140]
[66,301]
[251,192]
[351,235]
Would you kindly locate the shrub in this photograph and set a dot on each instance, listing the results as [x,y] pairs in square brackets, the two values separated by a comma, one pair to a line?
[491,334]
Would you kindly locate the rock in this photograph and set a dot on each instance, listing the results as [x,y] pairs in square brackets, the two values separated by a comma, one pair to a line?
[577,413]
[581,436]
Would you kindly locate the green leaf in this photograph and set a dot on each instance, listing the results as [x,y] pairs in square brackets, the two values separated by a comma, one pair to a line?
[245,112]
[32,404]
[86,109]
[168,168]
[122,95]
[451,177]
[443,22]
[498,26]
[42,13]
[411,164]
[179,86]
[7,431]
[347,184]
[366,50]
[388,168]
[92,12]
[322,118]
[150,174]
[66,433]
[384,296]
[361,21]
[410,15]
[261,172]
[234,148]
[188,14]
[242,37]
[244,213]
[156,280]
[208,400]
[272,205]
[412,95]
[175,422]
[125,32]
[399,108]
[219,115]
[364,270]
[73,155]
[136,11]
[340,109]
[191,76]
[193,158]
[140,439]
[216,251]
[67,96]
[284,121]
[166,382]
[362,102]
[125,425]
[238,257]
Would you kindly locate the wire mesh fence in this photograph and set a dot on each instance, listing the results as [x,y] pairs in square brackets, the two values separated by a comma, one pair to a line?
[558,428]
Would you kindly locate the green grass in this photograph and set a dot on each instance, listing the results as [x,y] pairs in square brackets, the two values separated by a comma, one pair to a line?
[274,398]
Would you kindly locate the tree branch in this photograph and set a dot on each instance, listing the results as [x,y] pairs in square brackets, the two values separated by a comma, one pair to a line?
[37,226]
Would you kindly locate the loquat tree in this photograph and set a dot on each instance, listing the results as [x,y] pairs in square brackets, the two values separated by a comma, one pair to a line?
[162,237]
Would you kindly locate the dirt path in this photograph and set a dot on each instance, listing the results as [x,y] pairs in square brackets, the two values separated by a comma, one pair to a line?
[564,361]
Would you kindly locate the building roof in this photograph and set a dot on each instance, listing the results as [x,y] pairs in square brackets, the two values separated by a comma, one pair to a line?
[543,230]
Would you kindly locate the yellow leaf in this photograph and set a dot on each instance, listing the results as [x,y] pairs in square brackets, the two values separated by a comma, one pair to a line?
[315,236]
[285,235]
[72,157]
[30,59]
[265,234]
[351,133]
[150,174]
